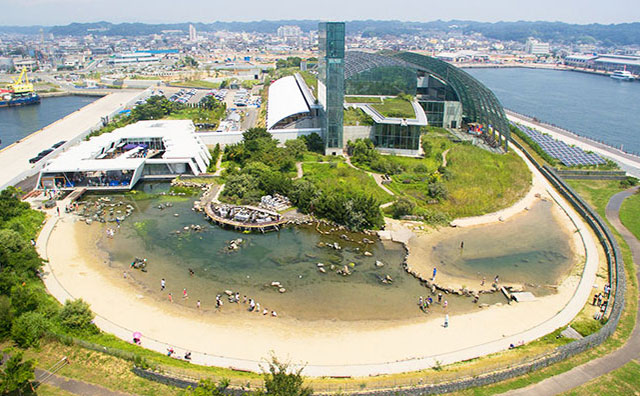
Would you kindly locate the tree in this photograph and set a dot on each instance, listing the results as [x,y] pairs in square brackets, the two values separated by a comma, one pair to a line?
[314,143]
[255,133]
[6,316]
[16,377]
[296,147]
[77,316]
[280,382]
[27,330]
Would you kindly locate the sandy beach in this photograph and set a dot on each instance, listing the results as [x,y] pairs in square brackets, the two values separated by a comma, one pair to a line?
[327,347]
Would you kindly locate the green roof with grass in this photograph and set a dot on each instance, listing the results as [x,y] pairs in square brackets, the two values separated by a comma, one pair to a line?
[395,108]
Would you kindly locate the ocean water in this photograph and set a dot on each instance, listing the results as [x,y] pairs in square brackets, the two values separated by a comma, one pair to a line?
[19,122]
[593,106]
[291,257]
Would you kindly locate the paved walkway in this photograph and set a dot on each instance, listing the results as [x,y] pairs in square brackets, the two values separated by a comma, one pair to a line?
[631,350]
[76,387]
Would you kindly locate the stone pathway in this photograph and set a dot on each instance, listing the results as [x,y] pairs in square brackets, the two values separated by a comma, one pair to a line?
[444,157]
[631,350]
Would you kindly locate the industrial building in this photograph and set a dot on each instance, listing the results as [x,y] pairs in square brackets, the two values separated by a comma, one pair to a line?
[118,160]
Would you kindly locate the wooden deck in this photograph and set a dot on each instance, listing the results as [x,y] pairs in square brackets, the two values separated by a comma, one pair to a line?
[240,226]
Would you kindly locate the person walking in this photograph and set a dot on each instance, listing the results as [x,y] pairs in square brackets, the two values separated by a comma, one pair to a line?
[162,284]
[434,273]
[446,320]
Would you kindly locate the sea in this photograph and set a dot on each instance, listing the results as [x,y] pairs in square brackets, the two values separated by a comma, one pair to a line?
[589,105]
[19,122]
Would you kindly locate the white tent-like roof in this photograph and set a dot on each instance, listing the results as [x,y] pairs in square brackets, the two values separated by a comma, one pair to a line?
[285,99]
[181,144]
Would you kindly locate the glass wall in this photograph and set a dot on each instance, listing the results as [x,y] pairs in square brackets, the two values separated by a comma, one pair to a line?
[434,112]
[384,80]
[331,75]
[401,137]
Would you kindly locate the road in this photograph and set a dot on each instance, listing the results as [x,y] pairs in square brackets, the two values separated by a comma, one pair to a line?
[631,350]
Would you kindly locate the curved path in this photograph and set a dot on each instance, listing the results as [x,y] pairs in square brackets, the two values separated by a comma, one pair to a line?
[120,311]
[631,350]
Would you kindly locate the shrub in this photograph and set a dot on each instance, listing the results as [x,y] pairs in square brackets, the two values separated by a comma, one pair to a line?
[630,181]
[403,207]
[280,382]
[427,147]
[437,190]
[28,329]
[76,316]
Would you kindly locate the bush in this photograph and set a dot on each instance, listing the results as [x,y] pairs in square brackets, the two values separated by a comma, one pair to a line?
[27,330]
[630,181]
[77,316]
[403,207]
[427,147]
[280,382]
[437,190]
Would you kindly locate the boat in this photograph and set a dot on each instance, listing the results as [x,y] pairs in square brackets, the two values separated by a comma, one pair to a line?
[19,93]
[623,75]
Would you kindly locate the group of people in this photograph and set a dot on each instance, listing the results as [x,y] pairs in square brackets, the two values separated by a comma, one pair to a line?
[233,298]
[601,300]
[424,303]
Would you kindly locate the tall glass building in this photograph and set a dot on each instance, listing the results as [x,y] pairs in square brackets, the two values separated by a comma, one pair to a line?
[331,82]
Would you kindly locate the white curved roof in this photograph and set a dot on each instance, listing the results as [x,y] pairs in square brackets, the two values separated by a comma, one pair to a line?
[285,99]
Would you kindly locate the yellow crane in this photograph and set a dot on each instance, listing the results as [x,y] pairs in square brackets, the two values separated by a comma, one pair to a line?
[21,83]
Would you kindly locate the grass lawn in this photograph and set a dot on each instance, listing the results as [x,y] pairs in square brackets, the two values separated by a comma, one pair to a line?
[311,80]
[50,390]
[622,381]
[341,177]
[630,214]
[197,115]
[356,117]
[395,107]
[363,99]
[197,84]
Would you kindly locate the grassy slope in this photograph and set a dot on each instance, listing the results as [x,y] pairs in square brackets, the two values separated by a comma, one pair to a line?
[630,214]
[197,84]
[622,381]
[482,182]
[395,107]
[343,178]
[356,117]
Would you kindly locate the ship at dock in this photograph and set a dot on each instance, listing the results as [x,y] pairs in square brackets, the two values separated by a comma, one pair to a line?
[20,93]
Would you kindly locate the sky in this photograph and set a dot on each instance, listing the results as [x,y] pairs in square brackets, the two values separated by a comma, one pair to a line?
[62,12]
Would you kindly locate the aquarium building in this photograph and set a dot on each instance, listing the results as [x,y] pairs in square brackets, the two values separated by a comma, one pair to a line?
[441,95]
[118,160]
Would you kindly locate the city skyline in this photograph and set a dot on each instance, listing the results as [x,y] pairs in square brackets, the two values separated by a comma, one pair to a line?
[61,12]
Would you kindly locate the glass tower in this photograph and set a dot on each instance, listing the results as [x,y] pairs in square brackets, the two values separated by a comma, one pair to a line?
[331,81]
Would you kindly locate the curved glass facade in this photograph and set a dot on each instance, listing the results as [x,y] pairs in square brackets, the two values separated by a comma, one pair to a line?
[479,104]
[372,74]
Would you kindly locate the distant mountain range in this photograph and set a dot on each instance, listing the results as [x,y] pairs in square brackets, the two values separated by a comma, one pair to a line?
[558,32]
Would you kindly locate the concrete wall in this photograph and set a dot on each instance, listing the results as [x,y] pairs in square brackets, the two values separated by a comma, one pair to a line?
[356,132]
[141,83]
[452,112]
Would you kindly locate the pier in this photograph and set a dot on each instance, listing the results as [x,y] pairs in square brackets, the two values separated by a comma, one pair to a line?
[245,226]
